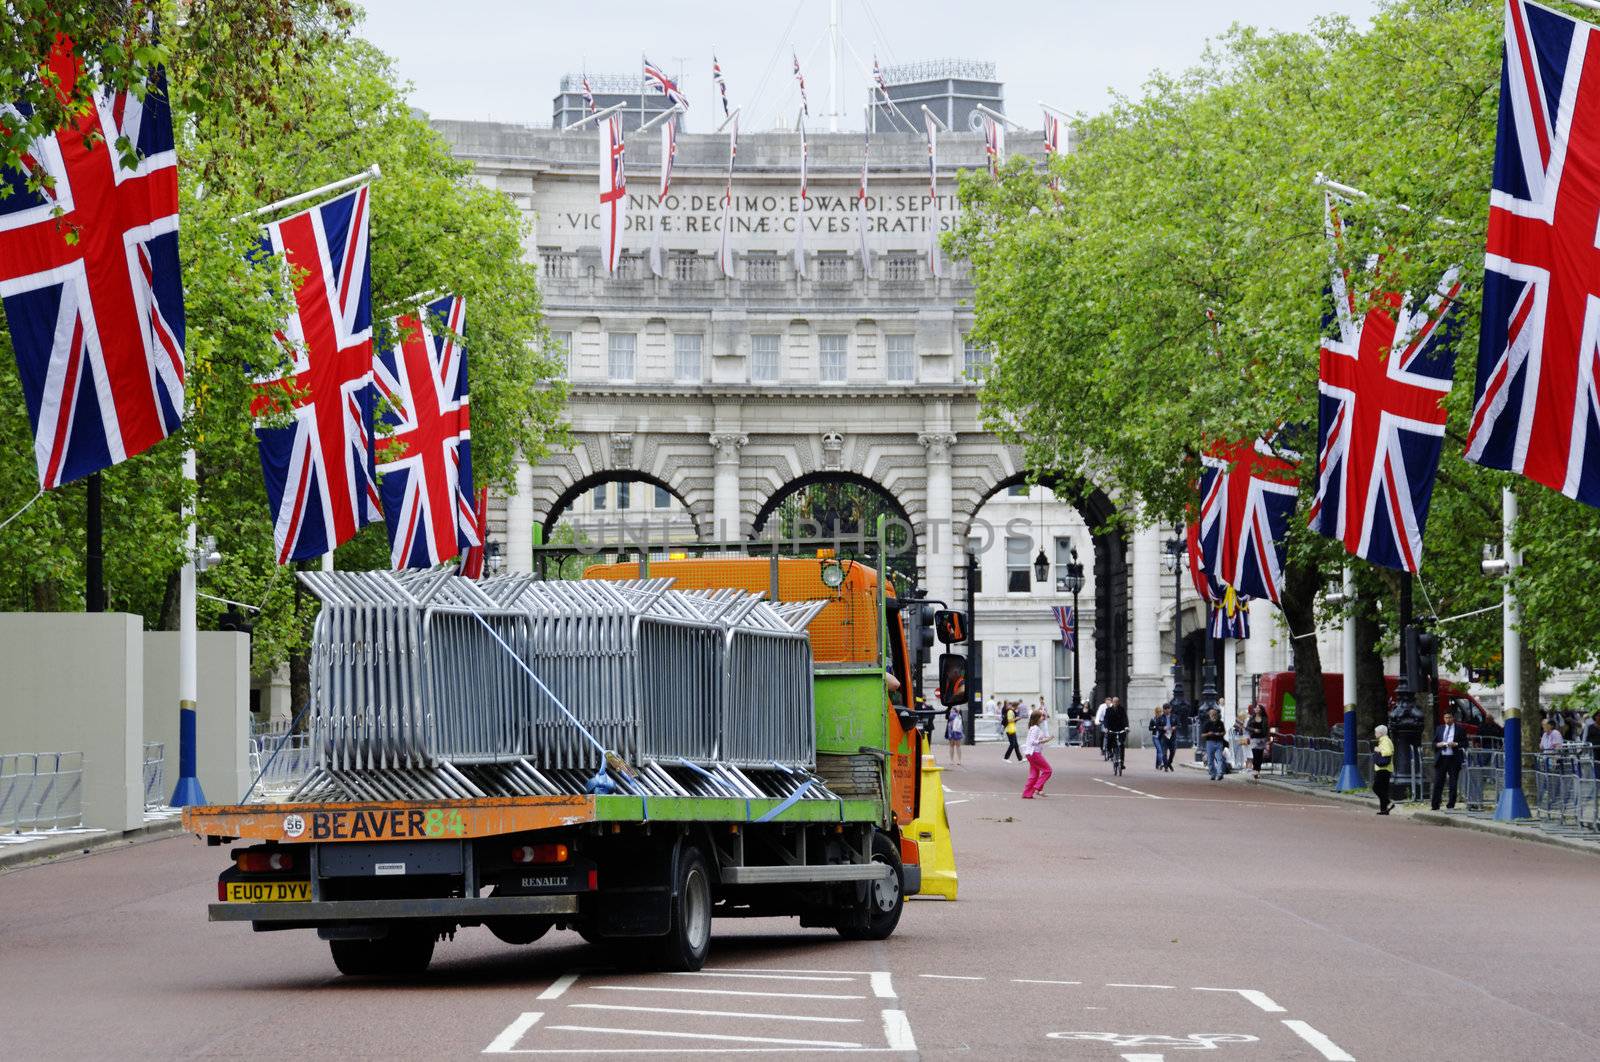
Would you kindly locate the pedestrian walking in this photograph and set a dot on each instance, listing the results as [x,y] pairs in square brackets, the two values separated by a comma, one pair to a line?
[1259,732]
[1074,722]
[1033,747]
[1214,732]
[1170,732]
[1100,724]
[1447,758]
[953,733]
[1158,736]
[1239,741]
[1382,767]
[1008,716]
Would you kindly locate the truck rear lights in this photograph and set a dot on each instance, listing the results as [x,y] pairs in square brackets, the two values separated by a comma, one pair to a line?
[539,853]
[256,861]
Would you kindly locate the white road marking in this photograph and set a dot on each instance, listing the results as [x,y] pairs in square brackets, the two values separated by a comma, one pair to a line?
[704,1036]
[1330,1050]
[721,992]
[953,803]
[1125,789]
[756,974]
[1114,984]
[1027,981]
[558,987]
[882,986]
[1259,998]
[506,1042]
[714,1013]
[1143,1058]
[897,1031]
[949,977]
[787,970]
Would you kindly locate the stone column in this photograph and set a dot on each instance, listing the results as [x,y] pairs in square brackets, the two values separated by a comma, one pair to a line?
[726,520]
[1149,684]
[519,521]
[1260,655]
[939,547]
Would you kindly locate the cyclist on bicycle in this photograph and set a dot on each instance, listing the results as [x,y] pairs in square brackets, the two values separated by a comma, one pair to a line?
[1116,728]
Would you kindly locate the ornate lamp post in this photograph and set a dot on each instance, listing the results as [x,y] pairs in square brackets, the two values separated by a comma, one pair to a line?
[1172,558]
[1074,583]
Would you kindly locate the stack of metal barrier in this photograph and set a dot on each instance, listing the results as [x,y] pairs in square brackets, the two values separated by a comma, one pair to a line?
[430,683]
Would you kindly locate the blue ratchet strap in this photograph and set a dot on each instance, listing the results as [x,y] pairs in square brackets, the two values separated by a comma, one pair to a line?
[788,801]
[708,776]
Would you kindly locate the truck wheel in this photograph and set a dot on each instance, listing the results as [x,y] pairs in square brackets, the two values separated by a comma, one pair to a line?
[880,901]
[686,943]
[518,930]
[402,953]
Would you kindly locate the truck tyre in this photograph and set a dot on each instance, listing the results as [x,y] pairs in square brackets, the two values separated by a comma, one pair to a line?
[880,901]
[518,930]
[686,943]
[403,953]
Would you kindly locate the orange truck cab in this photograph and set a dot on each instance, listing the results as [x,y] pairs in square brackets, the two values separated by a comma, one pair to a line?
[1275,693]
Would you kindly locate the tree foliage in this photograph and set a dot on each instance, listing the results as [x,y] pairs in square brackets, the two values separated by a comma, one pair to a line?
[311,106]
[1169,289]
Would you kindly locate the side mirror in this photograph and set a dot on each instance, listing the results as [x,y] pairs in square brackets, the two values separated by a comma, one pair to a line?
[950,626]
[952,680]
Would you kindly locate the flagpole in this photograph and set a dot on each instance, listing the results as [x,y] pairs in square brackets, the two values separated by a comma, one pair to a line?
[1349,771]
[187,792]
[371,173]
[594,116]
[1512,803]
[658,119]
[997,116]
[94,550]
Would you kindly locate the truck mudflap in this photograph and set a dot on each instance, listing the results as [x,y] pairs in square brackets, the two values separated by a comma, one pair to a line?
[458,908]
[910,866]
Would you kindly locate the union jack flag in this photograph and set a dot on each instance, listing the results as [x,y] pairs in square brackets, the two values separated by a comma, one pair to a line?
[669,154]
[1067,620]
[319,469]
[1230,617]
[725,247]
[1536,409]
[994,144]
[1247,494]
[667,86]
[1054,134]
[877,77]
[588,95]
[722,84]
[427,461]
[97,323]
[473,559]
[800,79]
[1380,418]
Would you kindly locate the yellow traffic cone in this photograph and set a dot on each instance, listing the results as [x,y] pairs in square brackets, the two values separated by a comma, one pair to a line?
[931,830]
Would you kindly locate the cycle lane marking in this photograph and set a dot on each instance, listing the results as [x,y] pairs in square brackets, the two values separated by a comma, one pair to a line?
[1126,789]
[1329,1050]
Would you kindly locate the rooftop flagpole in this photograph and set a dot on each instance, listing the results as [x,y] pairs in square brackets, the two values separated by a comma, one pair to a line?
[593,116]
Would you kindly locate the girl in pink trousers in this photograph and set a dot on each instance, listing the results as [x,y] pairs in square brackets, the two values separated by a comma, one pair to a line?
[1033,750]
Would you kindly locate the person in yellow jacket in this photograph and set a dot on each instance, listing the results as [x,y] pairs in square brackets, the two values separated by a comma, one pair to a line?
[1008,713]
[1382,767]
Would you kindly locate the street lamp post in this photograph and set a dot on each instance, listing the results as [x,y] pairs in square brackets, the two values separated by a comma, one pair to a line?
[1173,559]
[1074,583]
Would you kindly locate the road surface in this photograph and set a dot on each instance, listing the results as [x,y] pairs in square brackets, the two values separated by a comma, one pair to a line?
[1160,916]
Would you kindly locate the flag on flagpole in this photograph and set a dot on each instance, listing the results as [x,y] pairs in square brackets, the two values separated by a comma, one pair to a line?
[1230,617]
[613,192]
[472,561]
[877,77]
[805,202]
[935,259]
[725,248]
[667,87]
[1054,135]
[1381,385]
[994,143]
[1067,620]
[1247,495]
[669,153]
[861,210]
[721,83]
[1536,405]
[800,79]
[318,469]
[426,461]
[97,323]
[588,94]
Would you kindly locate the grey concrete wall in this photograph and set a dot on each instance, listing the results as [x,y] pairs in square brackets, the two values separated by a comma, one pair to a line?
[222,722]
[75,683]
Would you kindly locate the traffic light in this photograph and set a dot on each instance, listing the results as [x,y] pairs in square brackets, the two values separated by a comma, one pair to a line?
[922,619]
[1427,660]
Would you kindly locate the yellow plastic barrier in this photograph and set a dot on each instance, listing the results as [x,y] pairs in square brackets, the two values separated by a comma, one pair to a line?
[931,830]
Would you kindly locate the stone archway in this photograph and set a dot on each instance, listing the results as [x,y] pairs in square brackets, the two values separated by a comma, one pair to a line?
[1112,659]
[853,527]
[566,498]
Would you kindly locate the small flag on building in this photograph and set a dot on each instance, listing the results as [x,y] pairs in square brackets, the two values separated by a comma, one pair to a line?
[1067,620]
[669,153]
[588,94]
[935,259]
[721,83]
[668,87]
[994,143]
[613,192]
[725,247]
[800,79]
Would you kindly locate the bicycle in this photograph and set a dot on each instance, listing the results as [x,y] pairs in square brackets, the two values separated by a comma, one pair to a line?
[1117,745]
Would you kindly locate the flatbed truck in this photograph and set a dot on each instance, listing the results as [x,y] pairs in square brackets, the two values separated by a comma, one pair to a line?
[384,881]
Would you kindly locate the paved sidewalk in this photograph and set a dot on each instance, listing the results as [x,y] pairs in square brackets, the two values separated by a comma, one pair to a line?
[49,846]
[1525,830]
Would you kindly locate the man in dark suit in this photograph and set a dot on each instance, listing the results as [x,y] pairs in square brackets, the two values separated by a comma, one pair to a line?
[1449,750]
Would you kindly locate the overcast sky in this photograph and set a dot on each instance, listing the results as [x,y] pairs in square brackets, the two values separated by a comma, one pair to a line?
[502,59]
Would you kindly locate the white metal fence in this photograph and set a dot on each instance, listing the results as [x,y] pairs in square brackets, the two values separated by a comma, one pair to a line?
[155,775]
[40,791]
